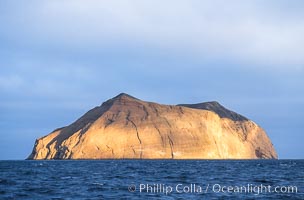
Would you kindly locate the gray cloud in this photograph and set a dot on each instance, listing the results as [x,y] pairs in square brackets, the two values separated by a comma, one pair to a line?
[247,32]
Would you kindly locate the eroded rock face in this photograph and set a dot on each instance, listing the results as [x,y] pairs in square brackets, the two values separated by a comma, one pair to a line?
[126,127]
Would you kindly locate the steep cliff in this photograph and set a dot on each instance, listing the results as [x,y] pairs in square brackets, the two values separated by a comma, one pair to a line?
[126,127]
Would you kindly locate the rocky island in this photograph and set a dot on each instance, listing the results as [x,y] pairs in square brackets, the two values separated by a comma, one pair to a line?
[125,127]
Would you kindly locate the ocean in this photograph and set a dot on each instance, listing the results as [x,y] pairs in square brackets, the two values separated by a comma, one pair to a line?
[152,179]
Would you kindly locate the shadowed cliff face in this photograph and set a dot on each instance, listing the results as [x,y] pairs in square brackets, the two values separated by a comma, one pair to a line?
[126,127]
[218,109]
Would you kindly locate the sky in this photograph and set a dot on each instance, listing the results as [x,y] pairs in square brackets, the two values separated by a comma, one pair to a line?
[60,58]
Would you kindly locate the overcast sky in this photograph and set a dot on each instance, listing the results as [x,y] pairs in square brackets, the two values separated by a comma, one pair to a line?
[60,58]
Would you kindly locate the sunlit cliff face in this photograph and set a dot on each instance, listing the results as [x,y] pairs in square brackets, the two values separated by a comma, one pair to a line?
[126,127]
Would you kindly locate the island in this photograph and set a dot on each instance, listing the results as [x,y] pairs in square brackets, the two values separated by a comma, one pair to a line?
[125,127]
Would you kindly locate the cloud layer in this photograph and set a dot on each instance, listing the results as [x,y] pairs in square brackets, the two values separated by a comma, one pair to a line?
[245,31]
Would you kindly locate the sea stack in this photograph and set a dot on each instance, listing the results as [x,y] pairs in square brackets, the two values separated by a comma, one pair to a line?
[125,127]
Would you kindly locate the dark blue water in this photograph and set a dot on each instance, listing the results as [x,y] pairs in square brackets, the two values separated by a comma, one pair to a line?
[152,179]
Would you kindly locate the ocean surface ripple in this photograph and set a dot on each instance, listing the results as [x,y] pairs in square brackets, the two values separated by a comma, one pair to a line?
[151,179]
